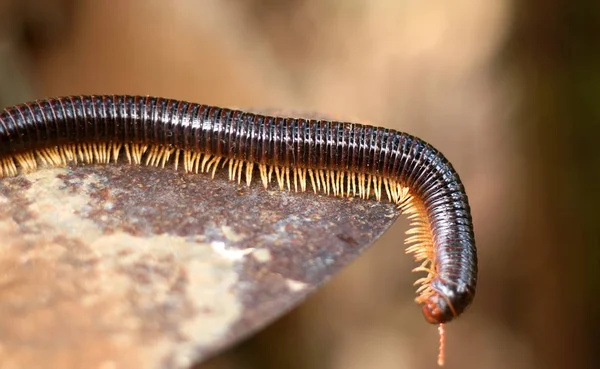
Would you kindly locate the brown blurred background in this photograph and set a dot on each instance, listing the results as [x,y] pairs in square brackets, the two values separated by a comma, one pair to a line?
[508,90]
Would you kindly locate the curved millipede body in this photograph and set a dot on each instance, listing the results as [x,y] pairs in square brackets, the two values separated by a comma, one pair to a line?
[344,159]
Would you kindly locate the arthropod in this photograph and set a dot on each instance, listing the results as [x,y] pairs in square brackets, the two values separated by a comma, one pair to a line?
[338,158]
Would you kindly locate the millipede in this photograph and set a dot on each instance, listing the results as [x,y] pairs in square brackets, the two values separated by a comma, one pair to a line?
[331,157]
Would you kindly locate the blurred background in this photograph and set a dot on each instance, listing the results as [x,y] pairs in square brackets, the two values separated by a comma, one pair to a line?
[508,90]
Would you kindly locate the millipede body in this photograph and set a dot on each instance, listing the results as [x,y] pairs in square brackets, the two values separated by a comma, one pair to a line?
[338,158]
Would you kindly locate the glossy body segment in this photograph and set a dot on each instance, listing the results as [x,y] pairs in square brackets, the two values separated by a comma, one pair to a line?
[337,156]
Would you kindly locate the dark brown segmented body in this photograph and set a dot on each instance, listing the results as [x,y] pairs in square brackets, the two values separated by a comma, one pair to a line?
[273,141]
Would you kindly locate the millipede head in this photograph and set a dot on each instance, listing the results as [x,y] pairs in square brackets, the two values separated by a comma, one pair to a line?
[445,301]
[437,310]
